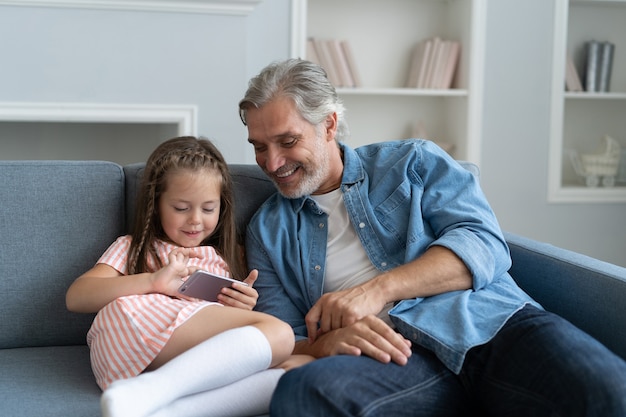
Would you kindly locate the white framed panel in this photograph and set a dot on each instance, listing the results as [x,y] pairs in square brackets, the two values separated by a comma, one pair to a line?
[228,7]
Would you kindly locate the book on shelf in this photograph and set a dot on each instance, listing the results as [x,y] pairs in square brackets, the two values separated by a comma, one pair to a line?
[606,62]
[325,60]
[599,64]
[347,52]
[437,64]
[572,79]
[341,64]
[335,56]
[311,52]
[591,74]
[418,64]
[453,52]
[433,63]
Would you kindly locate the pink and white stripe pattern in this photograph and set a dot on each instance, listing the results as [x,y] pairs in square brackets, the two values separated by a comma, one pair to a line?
[128,333]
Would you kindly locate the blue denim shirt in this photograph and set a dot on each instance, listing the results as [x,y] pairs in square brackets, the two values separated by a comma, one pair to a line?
[402,198]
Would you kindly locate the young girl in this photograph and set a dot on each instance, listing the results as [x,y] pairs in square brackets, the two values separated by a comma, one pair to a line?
[199,353]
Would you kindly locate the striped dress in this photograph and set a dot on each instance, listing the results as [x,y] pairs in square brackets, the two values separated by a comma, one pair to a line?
[129,332]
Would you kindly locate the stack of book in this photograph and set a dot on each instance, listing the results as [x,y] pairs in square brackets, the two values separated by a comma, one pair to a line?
[598,65]
[335,56]
[433,63]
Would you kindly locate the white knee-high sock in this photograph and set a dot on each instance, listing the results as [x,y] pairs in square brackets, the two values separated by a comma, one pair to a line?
[247,397]
[221,360]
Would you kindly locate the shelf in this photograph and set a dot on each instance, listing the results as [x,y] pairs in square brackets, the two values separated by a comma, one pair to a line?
[581,119]
[382,109]
[581,194]
[402,92]
[594,96]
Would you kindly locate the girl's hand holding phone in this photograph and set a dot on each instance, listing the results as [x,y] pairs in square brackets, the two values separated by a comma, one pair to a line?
[239,295]
[167,280]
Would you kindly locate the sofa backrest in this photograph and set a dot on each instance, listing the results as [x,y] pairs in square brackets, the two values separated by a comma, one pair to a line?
[56,219]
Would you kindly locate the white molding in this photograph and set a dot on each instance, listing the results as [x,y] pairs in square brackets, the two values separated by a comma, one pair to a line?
[184,116]
[476,81]
[559,46]
[222,7]
[298,29]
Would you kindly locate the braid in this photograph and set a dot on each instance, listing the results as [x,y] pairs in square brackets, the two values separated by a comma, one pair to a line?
[179,153]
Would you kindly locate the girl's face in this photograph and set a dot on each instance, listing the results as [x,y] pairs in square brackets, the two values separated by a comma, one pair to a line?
[189,208]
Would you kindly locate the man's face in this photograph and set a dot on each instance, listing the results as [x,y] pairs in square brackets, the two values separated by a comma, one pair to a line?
[295,154]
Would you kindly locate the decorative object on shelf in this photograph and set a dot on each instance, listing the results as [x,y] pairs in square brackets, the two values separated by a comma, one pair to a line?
[599,64]
[600,166]
[433,63]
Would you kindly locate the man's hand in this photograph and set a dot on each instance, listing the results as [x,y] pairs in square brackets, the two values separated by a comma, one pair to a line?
[342,308]
[368,336]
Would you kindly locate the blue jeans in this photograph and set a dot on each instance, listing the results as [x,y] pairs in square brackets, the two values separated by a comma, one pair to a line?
[537,365]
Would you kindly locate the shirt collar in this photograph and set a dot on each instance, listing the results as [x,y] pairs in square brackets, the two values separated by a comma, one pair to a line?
[352,166]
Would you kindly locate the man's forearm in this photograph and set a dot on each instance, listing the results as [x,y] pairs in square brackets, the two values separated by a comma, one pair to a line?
[437,271]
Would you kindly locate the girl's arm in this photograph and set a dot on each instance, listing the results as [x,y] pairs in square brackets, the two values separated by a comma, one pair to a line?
[103,283]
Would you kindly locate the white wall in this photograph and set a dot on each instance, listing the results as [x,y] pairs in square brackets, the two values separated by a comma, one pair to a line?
[114,56]
[516,132]
[80,55]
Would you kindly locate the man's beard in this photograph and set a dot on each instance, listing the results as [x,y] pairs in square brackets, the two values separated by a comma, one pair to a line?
[313,175]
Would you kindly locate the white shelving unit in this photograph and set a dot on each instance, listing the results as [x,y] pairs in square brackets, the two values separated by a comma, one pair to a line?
[581,119]
[382,35]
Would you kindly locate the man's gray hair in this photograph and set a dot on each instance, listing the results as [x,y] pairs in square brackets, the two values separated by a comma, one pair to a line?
[305,83]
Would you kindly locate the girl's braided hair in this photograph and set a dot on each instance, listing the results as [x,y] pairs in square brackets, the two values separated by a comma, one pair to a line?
[182,153]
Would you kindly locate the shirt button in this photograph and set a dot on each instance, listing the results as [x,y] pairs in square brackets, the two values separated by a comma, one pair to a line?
[317,267]
[383,264]
[321,225]
[361,225]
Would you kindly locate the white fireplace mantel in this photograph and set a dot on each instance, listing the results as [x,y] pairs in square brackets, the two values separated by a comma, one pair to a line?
[184,116]
[224,7]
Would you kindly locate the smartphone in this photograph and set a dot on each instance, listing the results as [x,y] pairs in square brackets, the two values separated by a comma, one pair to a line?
[205,285]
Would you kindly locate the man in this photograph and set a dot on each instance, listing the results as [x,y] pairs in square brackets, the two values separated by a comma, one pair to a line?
[391,268]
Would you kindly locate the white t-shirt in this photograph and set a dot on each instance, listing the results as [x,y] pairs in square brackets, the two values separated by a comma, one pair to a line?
[347,264]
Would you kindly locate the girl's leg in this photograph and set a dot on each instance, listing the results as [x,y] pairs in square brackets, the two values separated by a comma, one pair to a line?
[227,356]
[213,320]
[247,397]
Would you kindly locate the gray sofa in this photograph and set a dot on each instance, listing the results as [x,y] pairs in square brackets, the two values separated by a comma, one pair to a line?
[58,217]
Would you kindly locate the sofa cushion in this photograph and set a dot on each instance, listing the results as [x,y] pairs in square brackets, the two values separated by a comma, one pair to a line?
[57,218]
[48,381]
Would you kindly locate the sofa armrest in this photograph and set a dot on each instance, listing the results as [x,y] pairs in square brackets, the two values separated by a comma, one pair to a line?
[588,292]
